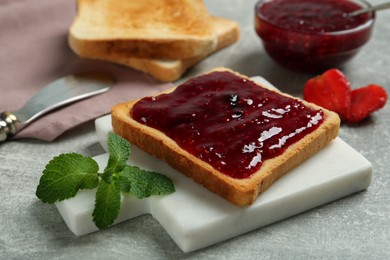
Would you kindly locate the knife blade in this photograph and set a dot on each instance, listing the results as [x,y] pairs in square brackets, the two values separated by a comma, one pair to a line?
[58,93]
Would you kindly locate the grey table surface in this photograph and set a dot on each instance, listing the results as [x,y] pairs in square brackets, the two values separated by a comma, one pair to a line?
[355,227]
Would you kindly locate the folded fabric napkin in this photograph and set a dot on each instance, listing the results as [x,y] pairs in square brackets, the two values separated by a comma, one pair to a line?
[34,52]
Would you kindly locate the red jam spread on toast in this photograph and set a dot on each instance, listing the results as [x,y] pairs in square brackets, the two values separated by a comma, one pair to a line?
[228,121]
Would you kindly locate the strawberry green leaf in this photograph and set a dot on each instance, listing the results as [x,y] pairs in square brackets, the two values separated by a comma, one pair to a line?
[64,175]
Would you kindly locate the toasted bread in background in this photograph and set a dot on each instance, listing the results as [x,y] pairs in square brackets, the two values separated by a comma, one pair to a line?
[162,29]
[170,70]
[241,192]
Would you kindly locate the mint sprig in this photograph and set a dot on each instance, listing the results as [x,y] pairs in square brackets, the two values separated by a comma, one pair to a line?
[67,173]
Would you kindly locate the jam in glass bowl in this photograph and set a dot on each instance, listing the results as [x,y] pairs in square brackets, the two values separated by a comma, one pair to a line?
[312,35]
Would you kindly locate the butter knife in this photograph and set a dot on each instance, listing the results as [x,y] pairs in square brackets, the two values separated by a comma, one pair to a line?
[58,93]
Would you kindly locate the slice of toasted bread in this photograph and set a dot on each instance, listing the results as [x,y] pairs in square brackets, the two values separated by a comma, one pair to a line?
[240,191]
[170,70]
[173,29]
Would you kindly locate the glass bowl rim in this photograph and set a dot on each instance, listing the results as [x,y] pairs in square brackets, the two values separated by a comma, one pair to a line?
[367,24]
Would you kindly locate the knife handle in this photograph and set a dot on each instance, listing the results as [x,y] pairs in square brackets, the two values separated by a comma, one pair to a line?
[8,125]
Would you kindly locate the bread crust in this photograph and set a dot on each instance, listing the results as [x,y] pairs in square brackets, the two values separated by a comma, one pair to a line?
[227,32]
[141,48]
[242,192]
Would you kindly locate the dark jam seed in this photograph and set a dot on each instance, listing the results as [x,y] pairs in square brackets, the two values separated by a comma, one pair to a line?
[228,122]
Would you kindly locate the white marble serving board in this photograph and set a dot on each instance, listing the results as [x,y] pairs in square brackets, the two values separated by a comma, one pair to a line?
[196,218]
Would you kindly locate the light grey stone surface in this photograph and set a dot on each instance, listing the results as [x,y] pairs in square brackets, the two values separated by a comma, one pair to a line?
[356,227]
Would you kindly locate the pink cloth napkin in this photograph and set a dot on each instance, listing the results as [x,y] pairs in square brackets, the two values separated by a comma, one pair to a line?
[34,52]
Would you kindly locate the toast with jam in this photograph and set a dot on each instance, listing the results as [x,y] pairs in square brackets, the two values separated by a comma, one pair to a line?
[226,132]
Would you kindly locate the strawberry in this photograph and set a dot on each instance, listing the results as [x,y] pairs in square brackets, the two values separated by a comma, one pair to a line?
[330,90]
[364,101]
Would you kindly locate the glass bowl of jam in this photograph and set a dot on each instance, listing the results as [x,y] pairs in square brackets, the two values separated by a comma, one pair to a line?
[312,35]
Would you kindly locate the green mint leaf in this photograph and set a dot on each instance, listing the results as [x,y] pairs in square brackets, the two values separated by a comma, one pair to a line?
[64,175]
[119,151]
[107,204]
[143,184]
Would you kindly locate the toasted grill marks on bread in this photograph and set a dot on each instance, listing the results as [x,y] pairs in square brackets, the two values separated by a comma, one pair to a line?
[241,192]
